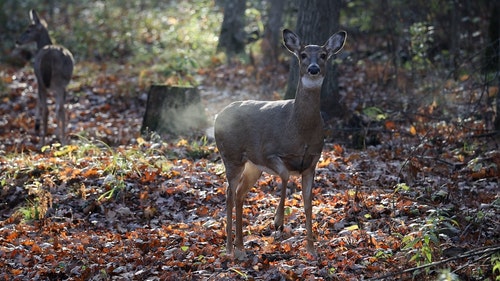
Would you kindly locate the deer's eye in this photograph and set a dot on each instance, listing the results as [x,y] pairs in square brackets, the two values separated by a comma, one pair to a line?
[303,55]
[323,56]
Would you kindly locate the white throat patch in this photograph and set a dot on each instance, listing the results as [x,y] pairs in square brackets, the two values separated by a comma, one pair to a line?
[309,83]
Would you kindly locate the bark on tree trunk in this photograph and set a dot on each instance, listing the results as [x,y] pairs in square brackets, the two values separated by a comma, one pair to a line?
[317,21]
[495,39]
[173,110]
[491,64]
[454,37]
[271,42]
[232,37]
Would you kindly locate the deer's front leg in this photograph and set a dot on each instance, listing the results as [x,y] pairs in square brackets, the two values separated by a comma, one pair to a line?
[233,175]
[248,178]
[307,186]
[229,219]
[277,165]
[280,212]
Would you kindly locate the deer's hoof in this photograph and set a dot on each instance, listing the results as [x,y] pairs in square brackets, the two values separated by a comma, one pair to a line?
[239,254]
[278,223]
[278,227]
[311,250]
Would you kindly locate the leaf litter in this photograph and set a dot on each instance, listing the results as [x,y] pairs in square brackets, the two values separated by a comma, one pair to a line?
[115,206]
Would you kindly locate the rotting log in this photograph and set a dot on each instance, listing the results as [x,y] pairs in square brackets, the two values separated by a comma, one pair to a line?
[173,110]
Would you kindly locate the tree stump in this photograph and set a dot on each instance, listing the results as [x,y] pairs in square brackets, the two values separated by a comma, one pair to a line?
[173,110]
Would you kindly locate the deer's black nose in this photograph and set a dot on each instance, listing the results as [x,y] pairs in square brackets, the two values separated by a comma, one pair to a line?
[313,69]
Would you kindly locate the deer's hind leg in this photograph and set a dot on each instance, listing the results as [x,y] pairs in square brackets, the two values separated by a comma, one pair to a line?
[60,95]
[42,113]
[239,185]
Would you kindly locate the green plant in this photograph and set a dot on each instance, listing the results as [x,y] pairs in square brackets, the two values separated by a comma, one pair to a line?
[401,187]
[421,247]
[118,166]
[195,149]
[447,275]
[30,211]
[421,36]
[200,148]
[41,201]
[383,254]
[242,275]
[495,263]
[424,243]
[115,184]
[374,113]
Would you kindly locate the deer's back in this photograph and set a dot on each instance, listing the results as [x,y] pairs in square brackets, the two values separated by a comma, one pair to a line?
[54,66]
[248,120]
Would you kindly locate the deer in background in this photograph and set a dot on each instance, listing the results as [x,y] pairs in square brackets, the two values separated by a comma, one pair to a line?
[53,70]
[283,138]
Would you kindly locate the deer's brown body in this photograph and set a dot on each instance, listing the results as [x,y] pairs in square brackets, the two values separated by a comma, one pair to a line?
[53,67]
[279,137]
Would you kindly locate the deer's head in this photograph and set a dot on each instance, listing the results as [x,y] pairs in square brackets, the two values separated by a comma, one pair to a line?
[313,58]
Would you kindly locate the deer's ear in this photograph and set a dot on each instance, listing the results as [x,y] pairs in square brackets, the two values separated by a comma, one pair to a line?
[291,41]
[34,17]
[336,42]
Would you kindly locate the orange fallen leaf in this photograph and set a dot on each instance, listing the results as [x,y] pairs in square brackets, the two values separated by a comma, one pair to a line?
[36,249]
[390,125]
[324,163]
[16,271]
[13,235]
[413,130]
[338,149]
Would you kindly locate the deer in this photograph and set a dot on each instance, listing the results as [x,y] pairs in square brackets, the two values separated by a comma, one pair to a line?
[283,138]
[53,66]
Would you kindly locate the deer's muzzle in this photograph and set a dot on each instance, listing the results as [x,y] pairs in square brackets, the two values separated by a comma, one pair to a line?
[313,69]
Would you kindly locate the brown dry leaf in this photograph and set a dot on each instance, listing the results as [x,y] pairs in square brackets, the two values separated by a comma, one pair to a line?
[69,173]
[16,272]
[90,173]
[338,149]
[12,236]
[202,211]
[36,249]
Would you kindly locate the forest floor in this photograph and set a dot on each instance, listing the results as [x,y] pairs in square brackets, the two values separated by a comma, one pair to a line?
[420,199]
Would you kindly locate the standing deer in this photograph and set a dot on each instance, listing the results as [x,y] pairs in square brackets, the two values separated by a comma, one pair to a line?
[53,70]
[279,137]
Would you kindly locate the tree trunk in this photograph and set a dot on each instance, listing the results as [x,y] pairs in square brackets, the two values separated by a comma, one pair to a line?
[232,37]
[173,110]
[454,38]
[494,31]
[271,41]
[317,21]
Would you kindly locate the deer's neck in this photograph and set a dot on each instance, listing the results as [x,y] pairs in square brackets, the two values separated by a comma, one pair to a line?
[307,104]
[43,40]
